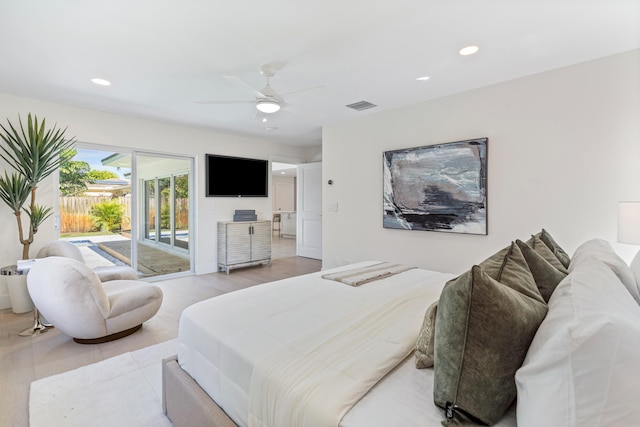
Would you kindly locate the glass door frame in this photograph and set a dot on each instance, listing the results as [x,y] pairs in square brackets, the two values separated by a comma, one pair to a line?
[158,210]
[138,208]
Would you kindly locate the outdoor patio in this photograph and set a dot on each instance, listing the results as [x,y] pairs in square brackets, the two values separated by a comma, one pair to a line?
[116,250]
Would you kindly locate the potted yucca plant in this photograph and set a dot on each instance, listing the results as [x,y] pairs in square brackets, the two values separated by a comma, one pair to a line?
[34,153]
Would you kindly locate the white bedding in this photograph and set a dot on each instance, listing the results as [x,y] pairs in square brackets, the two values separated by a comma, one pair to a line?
[222,339]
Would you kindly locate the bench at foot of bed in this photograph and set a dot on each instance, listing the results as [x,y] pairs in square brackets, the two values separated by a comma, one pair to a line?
[185,403]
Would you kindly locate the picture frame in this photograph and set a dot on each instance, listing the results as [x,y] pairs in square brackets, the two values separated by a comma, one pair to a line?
[440,187]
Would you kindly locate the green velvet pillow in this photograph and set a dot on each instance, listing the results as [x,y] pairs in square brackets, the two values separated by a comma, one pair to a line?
[493,264]
[562,256]
[543,250]
[483,331]
[510,268]
[547,277]
[425,344]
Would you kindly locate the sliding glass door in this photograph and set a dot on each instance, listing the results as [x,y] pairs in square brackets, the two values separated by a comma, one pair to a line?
[122,207]
[165,204]
[171,226]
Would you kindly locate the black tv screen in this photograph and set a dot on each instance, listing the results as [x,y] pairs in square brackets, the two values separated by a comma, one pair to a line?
[236,176]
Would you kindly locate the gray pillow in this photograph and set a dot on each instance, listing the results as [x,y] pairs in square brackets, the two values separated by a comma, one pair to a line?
[547,277]
[483,331]
[425,343]
[562,256]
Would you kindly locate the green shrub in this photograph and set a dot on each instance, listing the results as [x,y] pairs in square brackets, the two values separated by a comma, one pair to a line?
[107,216]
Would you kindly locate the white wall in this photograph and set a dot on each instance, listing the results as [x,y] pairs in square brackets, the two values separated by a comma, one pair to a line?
[120,131]
[564,147]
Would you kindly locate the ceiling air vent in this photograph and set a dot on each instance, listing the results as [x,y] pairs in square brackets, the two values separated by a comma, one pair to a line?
[362,105]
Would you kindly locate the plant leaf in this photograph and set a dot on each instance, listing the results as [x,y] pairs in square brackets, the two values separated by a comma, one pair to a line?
[14,191]
[38,214]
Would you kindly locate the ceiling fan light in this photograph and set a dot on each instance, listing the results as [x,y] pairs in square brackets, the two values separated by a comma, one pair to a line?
[267,106]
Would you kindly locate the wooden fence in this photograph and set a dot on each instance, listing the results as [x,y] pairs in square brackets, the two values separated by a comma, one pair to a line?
[75,213]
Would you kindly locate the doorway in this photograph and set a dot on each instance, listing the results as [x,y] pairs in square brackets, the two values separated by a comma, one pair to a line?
[283,199]
[125,208]
[309,240]
[165,213]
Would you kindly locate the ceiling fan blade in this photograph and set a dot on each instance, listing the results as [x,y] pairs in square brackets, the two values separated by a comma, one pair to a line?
[225,102]
[245,86]
[313,91]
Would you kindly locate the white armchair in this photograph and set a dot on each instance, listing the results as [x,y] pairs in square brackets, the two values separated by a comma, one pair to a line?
[69,250]
[72,297]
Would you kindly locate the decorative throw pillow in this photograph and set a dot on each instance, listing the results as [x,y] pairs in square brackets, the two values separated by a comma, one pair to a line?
[562,256]
[512,270]
[546,276]
[483,331]
[424,346]
[493,264]
[543,250]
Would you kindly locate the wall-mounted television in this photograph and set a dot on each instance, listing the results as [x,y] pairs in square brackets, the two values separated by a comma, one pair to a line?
[236,176]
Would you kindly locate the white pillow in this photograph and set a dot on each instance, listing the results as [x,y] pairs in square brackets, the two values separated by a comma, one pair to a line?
[582,366]
[602,250]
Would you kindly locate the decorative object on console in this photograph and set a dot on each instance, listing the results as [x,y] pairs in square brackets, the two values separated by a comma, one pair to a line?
[245,215]
[440,187]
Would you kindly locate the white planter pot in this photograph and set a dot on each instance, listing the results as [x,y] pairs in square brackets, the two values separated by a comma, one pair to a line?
[18,292]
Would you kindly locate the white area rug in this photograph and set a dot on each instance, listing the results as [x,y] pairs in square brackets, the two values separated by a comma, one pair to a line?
[125,390]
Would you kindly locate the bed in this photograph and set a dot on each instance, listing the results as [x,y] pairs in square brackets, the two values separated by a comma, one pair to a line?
[318,350]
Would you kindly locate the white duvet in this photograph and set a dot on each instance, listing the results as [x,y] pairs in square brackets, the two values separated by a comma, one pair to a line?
[303,351]
[314,380]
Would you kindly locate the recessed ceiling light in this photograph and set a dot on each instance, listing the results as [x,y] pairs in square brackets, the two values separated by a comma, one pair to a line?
[423,78]
[283,173]
[264,120]
[469,50]
[101,82]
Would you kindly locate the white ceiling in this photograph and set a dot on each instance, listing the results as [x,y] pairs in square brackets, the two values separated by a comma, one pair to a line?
[161,56]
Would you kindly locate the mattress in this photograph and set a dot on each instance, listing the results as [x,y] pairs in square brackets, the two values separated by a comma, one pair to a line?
[222,339]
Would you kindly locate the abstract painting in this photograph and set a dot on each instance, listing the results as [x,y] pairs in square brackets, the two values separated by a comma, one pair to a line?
[440,187]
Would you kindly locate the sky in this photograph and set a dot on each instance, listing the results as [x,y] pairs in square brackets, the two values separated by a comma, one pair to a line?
[94,157]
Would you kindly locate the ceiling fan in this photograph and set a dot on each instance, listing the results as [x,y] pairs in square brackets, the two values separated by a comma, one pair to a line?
[266,100]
